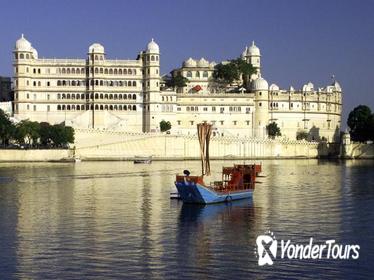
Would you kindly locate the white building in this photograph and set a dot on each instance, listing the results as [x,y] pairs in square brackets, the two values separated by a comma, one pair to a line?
[97,92]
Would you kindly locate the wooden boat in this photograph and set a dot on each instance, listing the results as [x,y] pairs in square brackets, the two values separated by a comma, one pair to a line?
[238,182]
[143,160]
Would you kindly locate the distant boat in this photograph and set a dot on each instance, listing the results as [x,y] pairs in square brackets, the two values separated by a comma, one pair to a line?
[238,182]
[143,160]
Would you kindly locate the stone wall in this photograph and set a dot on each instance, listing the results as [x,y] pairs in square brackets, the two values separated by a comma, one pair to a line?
[95,144]
[357,150]
[35,155]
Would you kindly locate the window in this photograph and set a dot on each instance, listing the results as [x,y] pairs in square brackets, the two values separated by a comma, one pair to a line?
[205,74]
[48,84]
[191,122]
[189,74]
[213,109]
[197,74]
[34,108]
[235,122]
[48,108]
[179,122]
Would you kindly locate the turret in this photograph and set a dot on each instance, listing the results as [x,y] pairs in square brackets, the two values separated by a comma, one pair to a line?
[151,87]
[260,88]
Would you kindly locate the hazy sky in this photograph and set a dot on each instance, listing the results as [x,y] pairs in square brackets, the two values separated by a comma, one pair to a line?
[300,41]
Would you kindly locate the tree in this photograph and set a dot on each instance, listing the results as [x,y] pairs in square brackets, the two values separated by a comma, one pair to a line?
[226,73]
[165,126]
[176,81]
[302,135]
[27,130]
[61,135]
[6,128]
[45,134]
[359,122]
[273,130]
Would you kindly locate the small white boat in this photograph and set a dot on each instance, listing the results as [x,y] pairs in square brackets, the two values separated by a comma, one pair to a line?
[143,160]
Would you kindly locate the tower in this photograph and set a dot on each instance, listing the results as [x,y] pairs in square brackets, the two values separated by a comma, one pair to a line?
[151,86]
[260,88]
[96,57]
[252,56]
[24,56]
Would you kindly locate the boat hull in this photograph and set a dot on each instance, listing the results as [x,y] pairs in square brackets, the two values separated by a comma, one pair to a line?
[191,192]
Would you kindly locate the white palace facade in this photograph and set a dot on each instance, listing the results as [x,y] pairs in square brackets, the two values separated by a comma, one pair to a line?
[130,95]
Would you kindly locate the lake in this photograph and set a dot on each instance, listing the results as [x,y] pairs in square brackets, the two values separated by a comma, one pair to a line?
[114,220]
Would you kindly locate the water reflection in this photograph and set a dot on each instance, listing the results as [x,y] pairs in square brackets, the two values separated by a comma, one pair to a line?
[115,220]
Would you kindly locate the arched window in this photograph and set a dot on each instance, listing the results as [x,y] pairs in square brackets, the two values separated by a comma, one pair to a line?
[68,96]
[197,74]
[129,107]
[82,96]
[124,96]
[58,107]
[73,83]
[134,71]
[129,71]
[110,97]
[73,107]
[58,96]
[120,107]
[189,74]
[101,96]
[125,71]
[125,107]
[96,57]
[78,107]
[68,107]
[78,71]
[96,82]
[59,83]
[110,71]
[134,84]
[101,107]
[152,58]
[96,71]
[134,107]
[134,96]
[115,96]
[106,96]
[78,96]
[73,96]
[125,83]
[63,71]
[115,72]
[82,71]
[119,96]
[111,107]
[96,107]
[63,107]
[101,70]
[115,107]
[120,71]
[129,96]
[39,84]
[101,82]
[68,71]
[21,56]
[106,71]
[205,74]
[73,71]
[96,96]
[156,57]
[106,107]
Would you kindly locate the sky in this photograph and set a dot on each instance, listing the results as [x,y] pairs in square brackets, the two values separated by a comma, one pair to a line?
[300,40]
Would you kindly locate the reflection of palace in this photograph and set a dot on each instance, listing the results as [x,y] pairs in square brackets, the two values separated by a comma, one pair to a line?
[129,95]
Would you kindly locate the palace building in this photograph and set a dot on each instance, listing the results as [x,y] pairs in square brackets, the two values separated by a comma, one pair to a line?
[130,95]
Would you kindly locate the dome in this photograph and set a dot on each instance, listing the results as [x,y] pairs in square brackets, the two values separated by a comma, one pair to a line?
[308,87]
[337,86]
[189,63]
[273,87]
[253,50]
[96,48]
[34,53]
[202,63]
[152,47]
[23,45]
[260,84]
[291,89]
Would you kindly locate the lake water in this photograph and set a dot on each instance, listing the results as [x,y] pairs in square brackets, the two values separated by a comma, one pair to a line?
[114,220]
